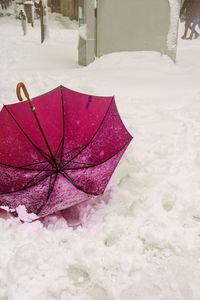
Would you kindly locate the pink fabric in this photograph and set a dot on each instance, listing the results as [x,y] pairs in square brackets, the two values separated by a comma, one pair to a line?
[86,136]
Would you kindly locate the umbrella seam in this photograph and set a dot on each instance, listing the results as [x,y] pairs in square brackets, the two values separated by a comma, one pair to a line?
[63,131]
[20,190]
[33,178]
[65,175]
[21,168]
[58,149]
[50,190]
[36,147]
[94,133]
[92,166]
[85,145]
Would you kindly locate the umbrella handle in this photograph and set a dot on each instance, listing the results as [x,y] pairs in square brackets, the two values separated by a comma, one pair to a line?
[20,86]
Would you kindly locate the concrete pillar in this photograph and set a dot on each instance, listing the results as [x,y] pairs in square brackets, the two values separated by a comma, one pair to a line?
[87,32]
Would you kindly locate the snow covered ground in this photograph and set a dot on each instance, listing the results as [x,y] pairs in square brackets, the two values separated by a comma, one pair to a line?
[144,244]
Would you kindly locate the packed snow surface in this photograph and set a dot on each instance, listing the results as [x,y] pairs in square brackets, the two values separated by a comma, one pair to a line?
[141,241]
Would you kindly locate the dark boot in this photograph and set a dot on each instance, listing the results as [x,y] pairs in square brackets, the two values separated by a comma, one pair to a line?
[190,37]
[183,37]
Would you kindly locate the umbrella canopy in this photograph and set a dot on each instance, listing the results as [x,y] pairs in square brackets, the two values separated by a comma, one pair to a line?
[60,152]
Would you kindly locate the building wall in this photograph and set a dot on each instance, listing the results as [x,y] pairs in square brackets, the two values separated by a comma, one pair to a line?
[69,8]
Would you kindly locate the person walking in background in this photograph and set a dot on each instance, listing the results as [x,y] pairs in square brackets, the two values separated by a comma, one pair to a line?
[22,17]
[3,4]
[196,20]
[188,13]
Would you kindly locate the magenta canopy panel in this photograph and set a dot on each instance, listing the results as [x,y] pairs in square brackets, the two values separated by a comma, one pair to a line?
[87,139]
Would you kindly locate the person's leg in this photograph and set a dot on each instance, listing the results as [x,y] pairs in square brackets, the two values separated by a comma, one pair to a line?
[187,25]
[196,33]
[196,21]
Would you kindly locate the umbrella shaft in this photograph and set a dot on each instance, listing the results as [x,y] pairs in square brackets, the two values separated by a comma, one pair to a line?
[22,86]
[44,137]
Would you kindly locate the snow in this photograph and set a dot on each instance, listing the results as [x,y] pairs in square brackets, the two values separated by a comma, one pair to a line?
[29,2]
[83,31]
[174,15]
[24,215]
[140,241]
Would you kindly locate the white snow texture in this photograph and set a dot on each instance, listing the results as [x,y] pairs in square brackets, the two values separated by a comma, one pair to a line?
[141,241]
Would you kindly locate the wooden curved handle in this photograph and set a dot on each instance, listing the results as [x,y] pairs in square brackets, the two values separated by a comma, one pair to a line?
[20,86]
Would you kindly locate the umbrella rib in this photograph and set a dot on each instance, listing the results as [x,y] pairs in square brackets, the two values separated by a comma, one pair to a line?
[74,150]
[50,190]
[80,163]
[26,185]
[36,147]
[86,145]
[92,166]
[63,119]
[21,167]
[64,174]
[20,190]
[25,166]
[101,122]
[58,147]
[33,164]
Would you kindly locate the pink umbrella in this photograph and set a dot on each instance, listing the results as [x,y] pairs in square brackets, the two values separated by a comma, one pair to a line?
[59,150]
